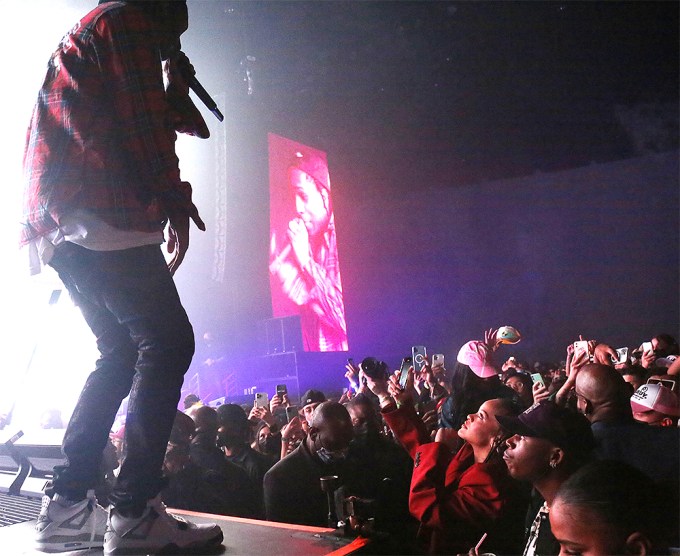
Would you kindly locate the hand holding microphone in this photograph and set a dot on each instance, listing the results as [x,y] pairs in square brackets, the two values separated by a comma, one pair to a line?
[299,240]
[201,93]
[298,243]
[277,260]
[183,114]
[183,66]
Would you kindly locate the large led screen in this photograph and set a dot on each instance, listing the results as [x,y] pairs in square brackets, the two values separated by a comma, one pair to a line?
[304,269]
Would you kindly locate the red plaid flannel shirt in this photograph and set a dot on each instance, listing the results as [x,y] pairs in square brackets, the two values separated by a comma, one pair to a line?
[100,138]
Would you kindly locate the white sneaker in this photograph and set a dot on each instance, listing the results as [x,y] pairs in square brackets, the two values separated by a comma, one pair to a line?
[64,525]
[157,531]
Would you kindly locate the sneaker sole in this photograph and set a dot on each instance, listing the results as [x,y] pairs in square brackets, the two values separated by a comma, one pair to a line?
[211,546]
[52,546]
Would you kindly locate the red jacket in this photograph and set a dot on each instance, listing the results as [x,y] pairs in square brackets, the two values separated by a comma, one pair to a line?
[456,499]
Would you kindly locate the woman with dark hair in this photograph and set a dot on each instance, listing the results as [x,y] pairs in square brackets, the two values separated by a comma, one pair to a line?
[458,497]
[659,348]
[521,383]
[665,344]
[474,380]
[265,441]
[610,507]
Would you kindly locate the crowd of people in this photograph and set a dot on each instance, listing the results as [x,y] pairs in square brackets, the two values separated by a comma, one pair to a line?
[474,458]
[482,457]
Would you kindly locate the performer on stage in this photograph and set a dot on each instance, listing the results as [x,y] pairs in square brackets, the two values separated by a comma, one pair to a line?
[307,267]
[102,183]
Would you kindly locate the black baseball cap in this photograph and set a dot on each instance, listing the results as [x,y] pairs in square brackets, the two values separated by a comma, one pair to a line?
[312,396]
[562,426]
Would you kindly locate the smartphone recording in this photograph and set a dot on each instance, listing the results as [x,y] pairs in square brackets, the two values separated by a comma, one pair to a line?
[621,356]
[261,399]
[291,412]
[373,368]
[419,355]
[582,346]
[406,364]
[537,378]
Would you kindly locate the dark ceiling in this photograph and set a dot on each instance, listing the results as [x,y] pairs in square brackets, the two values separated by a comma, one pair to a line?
[486,89]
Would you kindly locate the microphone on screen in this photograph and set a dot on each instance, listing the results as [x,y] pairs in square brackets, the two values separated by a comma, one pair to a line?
[278,260]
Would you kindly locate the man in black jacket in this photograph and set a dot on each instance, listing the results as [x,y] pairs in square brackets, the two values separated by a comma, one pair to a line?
[233,437]
[292,487]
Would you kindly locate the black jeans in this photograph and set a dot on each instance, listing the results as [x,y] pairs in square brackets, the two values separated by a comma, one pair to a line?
[146,343]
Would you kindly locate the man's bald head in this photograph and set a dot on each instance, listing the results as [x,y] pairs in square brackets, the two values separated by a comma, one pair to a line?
[327,412]
[205,418]
[331,422]
[602,393]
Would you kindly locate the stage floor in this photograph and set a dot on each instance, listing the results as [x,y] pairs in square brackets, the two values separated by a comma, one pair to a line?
[242,537]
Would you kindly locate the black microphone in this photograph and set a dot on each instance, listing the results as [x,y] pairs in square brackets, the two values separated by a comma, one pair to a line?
[201,93]
[194,84]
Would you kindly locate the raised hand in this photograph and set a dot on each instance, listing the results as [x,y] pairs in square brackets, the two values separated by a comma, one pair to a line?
[431,419]
[402,394]
[352,375]
[490,339]
[261,414]
[292,430]
[274,402]
[539,392]
[603,353]
[647,359]
[379,386]
[299,240]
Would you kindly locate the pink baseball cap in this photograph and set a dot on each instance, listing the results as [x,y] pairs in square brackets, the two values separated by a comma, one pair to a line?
[479,358]
[655,397]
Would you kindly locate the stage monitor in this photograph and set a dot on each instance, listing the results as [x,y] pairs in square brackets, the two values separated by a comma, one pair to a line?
[304,269]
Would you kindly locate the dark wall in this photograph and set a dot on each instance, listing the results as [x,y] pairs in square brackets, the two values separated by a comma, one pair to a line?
[590,251]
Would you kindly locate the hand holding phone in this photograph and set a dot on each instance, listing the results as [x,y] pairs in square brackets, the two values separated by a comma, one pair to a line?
[261,399]
[419,357]
[291,412]
[374,368]
[582,346]
[537,378]
[581,355]
[406,364]
[352,374]
[621,356]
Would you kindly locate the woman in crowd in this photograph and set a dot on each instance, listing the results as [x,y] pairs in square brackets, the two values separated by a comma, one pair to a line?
[609,507]
[266,441]
[547,445]
[521,383]
[474,380]
[457,497]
